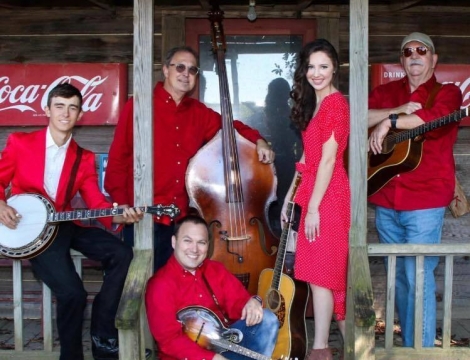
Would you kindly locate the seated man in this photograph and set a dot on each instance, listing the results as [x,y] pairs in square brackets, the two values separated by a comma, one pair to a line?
[189,279]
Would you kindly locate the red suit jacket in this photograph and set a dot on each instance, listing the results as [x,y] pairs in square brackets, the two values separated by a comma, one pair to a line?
[22,165]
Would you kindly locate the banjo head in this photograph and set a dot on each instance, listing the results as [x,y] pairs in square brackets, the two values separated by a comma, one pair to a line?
[33,232]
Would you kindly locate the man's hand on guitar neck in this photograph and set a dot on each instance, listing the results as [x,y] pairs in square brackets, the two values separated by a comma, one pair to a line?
[377,136]
[8,216]
[129,216]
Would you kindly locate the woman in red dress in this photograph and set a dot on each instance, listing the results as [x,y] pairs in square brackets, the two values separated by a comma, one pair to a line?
[321,112]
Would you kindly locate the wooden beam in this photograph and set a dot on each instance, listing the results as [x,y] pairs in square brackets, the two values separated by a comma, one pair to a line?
[205,5]
[360,319]
[143,117]
[303,4]
[397,6]
[103,5]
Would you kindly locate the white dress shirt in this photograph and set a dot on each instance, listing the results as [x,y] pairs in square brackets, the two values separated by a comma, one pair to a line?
[55,158]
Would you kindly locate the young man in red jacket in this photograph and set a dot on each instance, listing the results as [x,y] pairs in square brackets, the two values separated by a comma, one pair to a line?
[42,162]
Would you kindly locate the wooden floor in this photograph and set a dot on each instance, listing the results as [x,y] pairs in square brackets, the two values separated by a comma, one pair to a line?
[32,330]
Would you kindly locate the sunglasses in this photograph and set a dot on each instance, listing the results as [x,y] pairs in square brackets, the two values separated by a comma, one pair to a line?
[193,70]
[421,50]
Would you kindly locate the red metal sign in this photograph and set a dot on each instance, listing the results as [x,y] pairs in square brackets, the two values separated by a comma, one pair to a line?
[458,74]
[24,89]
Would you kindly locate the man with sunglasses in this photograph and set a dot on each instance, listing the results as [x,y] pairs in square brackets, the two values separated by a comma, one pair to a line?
[182,125]
[410,208]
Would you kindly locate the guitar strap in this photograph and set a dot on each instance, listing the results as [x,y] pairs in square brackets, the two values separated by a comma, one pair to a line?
[73,175]
[432,95]
[225,318]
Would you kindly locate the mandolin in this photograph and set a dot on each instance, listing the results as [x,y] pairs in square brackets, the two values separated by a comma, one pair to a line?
[205,328]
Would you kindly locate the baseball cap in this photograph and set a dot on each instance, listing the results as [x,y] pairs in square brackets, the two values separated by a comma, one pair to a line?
[419,37]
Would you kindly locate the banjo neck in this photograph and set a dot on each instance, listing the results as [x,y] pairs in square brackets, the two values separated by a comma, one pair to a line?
[85,214]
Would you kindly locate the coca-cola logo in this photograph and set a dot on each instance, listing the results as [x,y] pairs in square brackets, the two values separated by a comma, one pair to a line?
[21,97]
[464,88]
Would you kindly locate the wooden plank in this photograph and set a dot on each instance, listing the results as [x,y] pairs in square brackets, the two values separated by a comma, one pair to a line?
[143,118]
[47,317]
[419,297]
[133,293]
[78,48]
[34,21]
[446,328]
[414,249]
[390,301]
[128,318]
[35,355]
[399,353]
[359,292]
[173,32]
[328,28]
[18,304]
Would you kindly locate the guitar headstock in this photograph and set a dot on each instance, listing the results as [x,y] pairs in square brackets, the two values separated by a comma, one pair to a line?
[159,210]
[217,32]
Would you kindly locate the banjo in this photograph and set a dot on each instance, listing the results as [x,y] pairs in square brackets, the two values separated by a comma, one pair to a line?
[37,228]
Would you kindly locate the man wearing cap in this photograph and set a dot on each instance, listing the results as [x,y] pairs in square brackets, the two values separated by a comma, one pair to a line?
[410,208]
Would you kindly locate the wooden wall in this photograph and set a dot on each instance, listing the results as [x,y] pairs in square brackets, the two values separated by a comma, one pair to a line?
[88,34]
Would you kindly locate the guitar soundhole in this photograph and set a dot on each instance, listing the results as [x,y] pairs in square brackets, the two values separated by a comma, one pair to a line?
[276,303]
[274,300]
[244,278]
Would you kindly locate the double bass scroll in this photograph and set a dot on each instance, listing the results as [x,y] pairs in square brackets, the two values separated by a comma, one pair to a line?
[232,190]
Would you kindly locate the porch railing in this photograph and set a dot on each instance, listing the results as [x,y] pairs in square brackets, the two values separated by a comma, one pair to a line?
[445,351]
[133,331]
[47,318]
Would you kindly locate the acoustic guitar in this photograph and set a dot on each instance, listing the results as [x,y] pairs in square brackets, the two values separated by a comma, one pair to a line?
[284,296]
[38,225]
[402,151]
[205,329]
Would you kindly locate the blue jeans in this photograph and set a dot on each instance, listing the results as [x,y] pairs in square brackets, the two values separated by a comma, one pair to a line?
[260,338]
[413,227]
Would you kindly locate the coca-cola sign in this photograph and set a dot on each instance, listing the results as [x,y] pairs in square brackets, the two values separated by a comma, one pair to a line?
[24,90]
[458,74]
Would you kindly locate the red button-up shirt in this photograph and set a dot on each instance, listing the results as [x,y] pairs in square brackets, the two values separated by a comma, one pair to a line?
[179,132]
[172,288]
[432,183]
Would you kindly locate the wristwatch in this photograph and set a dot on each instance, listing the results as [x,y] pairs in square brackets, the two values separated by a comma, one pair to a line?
[258,298]
[393,120]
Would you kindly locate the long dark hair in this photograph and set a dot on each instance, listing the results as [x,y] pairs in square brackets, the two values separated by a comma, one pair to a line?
[302,92]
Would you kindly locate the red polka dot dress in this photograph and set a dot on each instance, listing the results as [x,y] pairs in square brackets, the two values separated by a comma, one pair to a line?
[324,261]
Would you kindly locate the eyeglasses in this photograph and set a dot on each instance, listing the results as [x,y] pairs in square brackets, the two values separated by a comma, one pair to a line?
[421,50]
[181,68]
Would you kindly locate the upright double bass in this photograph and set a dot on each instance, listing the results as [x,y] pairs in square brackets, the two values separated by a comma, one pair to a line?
[232,190]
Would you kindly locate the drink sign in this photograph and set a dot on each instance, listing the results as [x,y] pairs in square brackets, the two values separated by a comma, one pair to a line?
[24,89]
[458,74]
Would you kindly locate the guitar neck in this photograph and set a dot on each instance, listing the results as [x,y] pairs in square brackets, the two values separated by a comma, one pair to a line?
[85,214]
[431,125]
[228,345]
[281,251]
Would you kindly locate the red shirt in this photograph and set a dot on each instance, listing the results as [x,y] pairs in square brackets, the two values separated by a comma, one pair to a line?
[173,288]
[179,132]
[432,183]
